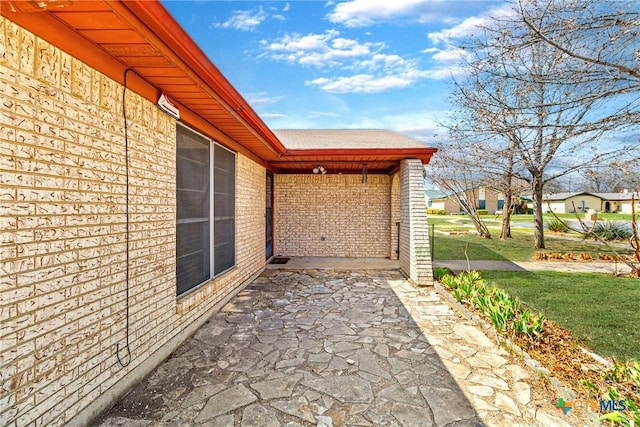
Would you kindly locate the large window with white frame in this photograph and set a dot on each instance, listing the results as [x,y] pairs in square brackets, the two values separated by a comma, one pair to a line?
[205,191]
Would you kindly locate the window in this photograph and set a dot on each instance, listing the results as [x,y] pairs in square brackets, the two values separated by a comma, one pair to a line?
[205,232]
[224,220]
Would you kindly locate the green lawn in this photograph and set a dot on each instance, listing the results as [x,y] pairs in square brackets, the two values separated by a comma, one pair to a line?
[518,248]
[600,310]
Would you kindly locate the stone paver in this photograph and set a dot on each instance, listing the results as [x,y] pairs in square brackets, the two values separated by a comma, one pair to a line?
[339,348]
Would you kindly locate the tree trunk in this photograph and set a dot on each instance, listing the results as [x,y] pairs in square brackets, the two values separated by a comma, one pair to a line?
[538,223]
[506,216]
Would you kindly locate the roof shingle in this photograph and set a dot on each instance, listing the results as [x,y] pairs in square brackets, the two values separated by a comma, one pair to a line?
[300,139]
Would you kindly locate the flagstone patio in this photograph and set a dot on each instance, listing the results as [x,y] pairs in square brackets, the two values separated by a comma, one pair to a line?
[333,348]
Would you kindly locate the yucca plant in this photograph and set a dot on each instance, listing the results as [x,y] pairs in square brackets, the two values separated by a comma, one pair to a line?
[554,224]
[612,230]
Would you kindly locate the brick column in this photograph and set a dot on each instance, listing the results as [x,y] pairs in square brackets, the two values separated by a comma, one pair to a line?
[415,255]
[394,203]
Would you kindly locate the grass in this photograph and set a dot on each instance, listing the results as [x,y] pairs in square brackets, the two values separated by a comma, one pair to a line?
[518,248]
[529,218]
[600,310]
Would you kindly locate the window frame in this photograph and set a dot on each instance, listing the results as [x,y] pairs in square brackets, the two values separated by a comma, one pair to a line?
[212,144]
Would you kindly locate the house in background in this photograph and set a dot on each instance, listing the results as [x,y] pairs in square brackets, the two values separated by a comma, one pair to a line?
[581,202]
[431,195]
[483,197]
[619,202]
[124,227]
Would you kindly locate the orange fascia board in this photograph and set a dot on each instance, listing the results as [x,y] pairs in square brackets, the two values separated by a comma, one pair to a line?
[55,32]
[176,42]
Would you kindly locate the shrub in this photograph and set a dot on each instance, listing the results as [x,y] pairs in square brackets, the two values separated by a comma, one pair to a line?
[612,230]
[554,224]
[432,211]
[482,212]
[585,256]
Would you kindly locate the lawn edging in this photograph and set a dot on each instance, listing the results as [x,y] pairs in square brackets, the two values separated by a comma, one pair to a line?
[556,384]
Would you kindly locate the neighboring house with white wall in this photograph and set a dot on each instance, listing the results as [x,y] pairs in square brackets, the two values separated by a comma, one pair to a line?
[570,202]
[123,228]
[620,202]
[583,201]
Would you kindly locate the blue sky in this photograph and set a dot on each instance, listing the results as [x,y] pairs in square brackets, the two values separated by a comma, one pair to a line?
[338,64]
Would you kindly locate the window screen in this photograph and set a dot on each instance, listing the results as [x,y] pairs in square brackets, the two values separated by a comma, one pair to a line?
[193,262]
[205,235]
[224,177]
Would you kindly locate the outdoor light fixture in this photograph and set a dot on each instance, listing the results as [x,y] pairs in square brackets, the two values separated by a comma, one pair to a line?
[319,169]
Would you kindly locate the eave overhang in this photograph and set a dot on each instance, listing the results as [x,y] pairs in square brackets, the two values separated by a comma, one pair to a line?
[349,160]
[113,36]
[140,35]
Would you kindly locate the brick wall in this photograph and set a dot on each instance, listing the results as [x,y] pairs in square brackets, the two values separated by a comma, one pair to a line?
[491,198]
[451,205]
[415,255]
[62,244]
[332,215]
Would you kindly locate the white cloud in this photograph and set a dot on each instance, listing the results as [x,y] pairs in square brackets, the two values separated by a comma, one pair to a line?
[262,99]
[370,69]
[359,13]
[470,26]
[450,55]
[299,43]
[445,73]
[320,50]
[243,20]
[361,83]
[445,50]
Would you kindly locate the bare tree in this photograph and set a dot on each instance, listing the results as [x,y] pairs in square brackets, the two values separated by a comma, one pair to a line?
[455,172]
[602,34]
[491,154]
[535,97]
[615,176]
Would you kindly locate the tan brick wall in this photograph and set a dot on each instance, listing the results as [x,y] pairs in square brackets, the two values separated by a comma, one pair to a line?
[451,205]
[354,221]
[62,244]
[491,200]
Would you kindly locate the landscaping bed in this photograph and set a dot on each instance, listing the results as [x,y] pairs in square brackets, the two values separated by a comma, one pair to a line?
[553,346]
